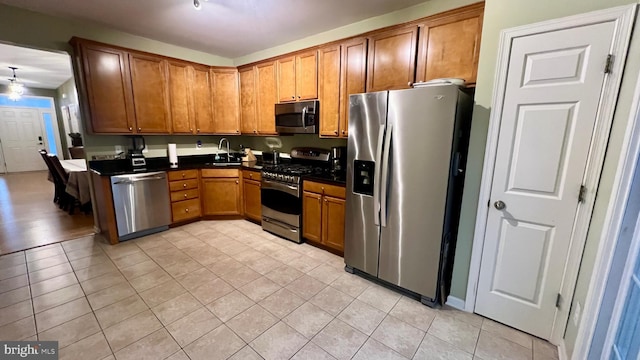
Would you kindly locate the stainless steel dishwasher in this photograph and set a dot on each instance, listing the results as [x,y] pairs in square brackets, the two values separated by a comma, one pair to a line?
[141,203]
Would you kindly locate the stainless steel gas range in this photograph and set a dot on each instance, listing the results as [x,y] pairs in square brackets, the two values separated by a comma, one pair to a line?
[282,191]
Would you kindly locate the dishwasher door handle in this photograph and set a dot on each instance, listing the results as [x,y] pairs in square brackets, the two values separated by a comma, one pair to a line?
[131,181]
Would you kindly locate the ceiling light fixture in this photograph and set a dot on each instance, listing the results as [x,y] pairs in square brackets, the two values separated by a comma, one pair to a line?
[197,4]
[16,89]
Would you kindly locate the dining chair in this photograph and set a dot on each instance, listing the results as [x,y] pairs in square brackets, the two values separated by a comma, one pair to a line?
[59,187]
[77,152]
[68,202]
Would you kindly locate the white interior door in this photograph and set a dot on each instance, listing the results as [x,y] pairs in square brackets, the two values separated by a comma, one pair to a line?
[554,83]
[22,136]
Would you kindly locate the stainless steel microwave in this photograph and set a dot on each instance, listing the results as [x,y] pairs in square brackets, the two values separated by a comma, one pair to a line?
[298,117]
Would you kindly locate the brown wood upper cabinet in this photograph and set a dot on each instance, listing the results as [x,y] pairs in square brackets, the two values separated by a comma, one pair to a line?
[190,98]
[226,101]
[392,59]
[267,97]
[298,77]
[105,80]
[150,93]
[341,72]
[248,113]
[450,45]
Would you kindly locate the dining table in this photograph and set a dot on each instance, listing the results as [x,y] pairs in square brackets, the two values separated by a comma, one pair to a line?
[78,183]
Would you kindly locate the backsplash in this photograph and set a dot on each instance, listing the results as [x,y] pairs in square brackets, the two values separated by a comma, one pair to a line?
[186,145]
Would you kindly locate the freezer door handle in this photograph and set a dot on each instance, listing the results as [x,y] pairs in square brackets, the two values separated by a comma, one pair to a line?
[384,184]
[376,177]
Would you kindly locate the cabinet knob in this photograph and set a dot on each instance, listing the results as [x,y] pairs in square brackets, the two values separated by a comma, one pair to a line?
[197,130]
[184,185]
[183,174]
[298,96]
[237,182]
[293,97]
[343,132]
[335,132]
[251,176]
[130,128]
[409,83]
[255,131]
[325,200]
[237,131]
[323,189]
[186,210]
[185,196]
[139,129]
[190,130]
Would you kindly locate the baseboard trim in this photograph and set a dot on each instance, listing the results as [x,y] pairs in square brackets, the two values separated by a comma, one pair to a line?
[562,351]
[454,302]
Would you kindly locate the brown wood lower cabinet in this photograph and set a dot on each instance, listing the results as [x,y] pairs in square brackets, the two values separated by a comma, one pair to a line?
[251,187]
[323,208]
[185,195]
[221,192]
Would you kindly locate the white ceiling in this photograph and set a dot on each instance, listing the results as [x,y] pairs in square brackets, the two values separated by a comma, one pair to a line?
[36,68]
[228,28]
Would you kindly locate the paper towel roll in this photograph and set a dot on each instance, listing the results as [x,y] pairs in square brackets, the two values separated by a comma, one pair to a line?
[173,155]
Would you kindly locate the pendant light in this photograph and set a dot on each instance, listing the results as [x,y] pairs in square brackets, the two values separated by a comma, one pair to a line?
[16,89]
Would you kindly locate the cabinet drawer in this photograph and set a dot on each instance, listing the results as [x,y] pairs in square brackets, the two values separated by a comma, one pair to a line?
[251,175]
[184,210]
[220,173]
[183,185]
[184,195]
[182,175]
[325,189]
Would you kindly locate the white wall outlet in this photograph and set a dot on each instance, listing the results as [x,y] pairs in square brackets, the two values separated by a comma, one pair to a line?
[576,314]
[119,149]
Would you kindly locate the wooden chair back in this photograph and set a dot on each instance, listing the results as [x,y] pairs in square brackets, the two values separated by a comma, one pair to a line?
[55,162]
[77,152]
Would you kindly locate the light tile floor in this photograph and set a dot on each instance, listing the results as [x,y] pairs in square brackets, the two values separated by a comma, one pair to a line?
[226,289]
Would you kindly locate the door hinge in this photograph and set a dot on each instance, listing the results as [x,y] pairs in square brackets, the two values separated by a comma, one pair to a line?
[609,64]
[583,192]
[558,300]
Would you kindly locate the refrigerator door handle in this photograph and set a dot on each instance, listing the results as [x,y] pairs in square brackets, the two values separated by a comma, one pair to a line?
[376,176]
[384,184]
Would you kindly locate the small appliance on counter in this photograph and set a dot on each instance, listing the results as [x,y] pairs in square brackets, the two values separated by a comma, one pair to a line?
[338,159]
[135,155]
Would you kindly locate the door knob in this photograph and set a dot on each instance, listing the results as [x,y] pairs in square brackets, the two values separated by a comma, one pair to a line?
[500,205]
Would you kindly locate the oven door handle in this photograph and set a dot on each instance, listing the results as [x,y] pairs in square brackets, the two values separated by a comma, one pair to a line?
[289,189]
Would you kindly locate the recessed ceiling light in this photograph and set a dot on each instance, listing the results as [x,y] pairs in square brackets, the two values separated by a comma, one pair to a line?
[197,5]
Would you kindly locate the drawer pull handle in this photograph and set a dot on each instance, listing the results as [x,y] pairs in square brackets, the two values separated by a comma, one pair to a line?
[237,182]
[185,196]
[183,174]
[251,176]
[186,210]
[184,185]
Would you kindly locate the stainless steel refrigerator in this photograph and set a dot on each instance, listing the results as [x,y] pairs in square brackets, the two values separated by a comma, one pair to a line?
[406,158]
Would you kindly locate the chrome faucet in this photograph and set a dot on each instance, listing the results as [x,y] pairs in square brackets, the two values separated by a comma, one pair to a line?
[220,148]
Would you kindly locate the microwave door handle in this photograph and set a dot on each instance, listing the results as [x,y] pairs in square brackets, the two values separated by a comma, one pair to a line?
[304,115]
[376,176]
[385,177]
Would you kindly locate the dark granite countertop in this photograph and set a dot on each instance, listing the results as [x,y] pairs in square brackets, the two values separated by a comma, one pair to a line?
[123,167]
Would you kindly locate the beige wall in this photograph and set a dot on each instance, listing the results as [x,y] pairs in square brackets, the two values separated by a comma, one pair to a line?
[28,28]
[500,14]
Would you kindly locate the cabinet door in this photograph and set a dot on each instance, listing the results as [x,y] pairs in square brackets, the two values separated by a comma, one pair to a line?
[179,98]
[287,79]
[108,85]
[226,101]
[329,90]
[333,222]
[307,76]
[248,114]
[392,59]
[353,79]
[450,50]
[251,195]
[267,97]
[312,216]
[150,95]
[221,196]
[201,100]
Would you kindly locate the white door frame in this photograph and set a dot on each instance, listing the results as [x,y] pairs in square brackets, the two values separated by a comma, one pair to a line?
[623,17]
[611,229]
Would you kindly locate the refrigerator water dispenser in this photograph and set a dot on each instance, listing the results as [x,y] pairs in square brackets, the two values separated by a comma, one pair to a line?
[363,177]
